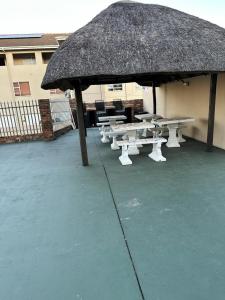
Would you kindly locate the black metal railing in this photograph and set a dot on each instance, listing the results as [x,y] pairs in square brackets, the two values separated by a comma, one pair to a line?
[20,118]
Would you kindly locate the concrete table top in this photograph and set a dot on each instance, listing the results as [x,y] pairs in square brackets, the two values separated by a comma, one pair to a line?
[178,120]
[147,116]
[109,118]
[132,126]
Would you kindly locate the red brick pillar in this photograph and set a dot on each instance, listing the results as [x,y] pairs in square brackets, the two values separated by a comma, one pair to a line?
[46,119]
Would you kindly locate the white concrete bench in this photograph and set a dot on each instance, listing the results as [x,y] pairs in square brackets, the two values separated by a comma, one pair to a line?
[156,153]
[114,136]
[104,128]
[173,125]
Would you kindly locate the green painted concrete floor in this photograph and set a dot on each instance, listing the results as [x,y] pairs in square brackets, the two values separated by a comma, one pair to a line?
[151,231]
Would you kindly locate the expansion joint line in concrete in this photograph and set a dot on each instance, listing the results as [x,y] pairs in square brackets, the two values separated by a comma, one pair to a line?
[121,226]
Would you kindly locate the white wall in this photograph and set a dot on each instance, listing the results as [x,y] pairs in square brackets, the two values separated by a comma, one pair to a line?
[175,99]
[148,100]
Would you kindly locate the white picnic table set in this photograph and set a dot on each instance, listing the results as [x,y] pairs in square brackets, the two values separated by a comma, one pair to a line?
[134,135]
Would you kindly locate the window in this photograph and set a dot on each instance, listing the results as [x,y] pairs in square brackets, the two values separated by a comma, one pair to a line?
[24,59]
[21,88]
[61,39]
[60,42]
[2,60]
[46,57]
[115,87]
[55,91]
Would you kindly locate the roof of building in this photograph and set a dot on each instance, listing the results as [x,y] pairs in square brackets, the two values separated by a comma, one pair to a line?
[136,42]
[30,40]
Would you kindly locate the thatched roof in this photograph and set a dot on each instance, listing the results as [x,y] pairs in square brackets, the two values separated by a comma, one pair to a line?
[131,41]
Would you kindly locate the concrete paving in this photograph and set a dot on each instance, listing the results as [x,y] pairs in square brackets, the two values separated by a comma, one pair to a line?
[148,231]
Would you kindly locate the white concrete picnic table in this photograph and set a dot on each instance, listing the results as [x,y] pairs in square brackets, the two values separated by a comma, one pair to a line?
[147,118]
[106,122]
[131,132]
[174,127]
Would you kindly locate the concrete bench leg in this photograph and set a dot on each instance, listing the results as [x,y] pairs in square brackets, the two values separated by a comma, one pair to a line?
[180,136]
[138,135]
[124,158]
[102,129]
[156,154]
[114,145]
[172,140]
[144,133]
[104,138]
[133,150]
[140,146]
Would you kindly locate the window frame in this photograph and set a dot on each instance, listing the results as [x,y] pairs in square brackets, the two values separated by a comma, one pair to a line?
[17,87]
[3,57]
[56,92]
[61,39]
[24,61]
[44,53]
[115,87]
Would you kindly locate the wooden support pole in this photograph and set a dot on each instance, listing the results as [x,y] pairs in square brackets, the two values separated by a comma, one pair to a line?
[84,119]
[80,120]
[154,98]
[212,106]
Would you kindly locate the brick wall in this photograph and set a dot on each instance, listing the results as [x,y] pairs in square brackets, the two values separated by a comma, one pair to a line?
[46,119]
[62,131]
[45,130]
[19,138]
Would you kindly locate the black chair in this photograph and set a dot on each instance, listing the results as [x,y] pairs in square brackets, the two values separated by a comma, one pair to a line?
[119,109]
[100,108]
[91,117]
[110,111]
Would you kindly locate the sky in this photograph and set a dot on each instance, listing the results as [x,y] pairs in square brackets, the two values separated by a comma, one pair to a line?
[54,16]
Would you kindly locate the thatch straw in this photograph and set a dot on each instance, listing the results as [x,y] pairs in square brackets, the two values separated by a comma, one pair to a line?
[135,41]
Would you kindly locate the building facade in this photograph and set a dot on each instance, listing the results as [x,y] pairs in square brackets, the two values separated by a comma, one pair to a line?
[23,62]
